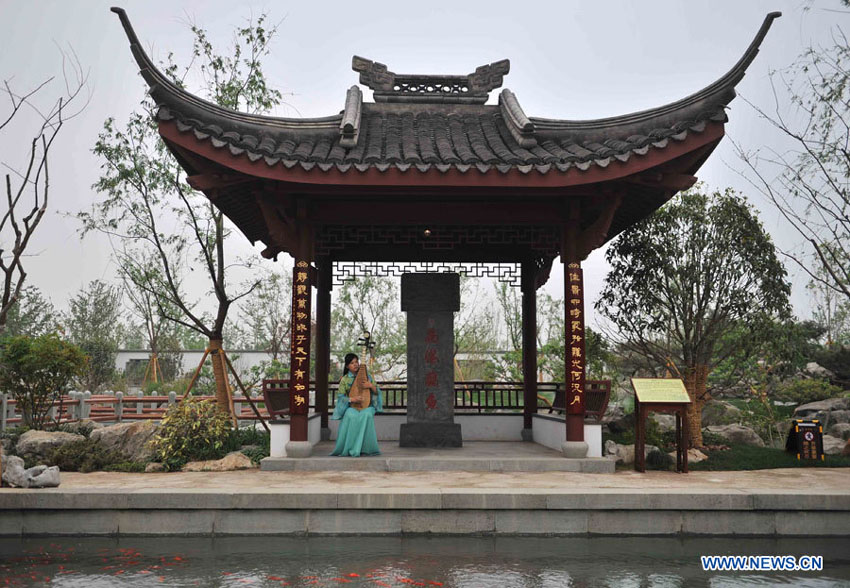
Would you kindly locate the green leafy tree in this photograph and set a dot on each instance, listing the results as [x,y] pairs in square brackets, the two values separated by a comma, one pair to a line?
[265,315]
[550,339]
[94,324]
[685,276]
[32,314]
[166,229]
[371,304]
[37,370]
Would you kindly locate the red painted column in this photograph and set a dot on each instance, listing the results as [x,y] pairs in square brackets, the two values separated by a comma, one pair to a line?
[529,344]
[299,359]
[575,350]
[323,337]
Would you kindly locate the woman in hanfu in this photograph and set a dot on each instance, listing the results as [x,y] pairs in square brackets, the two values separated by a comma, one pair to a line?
[356,434]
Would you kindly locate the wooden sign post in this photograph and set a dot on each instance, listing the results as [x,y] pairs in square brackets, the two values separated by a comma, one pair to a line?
[661,395]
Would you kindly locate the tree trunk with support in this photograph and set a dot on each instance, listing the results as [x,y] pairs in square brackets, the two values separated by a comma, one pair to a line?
[695,383]
[222,399]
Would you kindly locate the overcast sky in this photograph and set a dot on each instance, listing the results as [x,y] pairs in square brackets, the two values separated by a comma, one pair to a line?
[572,60]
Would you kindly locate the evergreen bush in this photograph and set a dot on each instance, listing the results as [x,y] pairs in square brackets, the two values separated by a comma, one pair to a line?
[192,430]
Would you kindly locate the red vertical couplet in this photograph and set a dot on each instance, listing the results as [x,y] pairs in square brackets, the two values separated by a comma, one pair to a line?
[299,371]
[575,367]
[432,360]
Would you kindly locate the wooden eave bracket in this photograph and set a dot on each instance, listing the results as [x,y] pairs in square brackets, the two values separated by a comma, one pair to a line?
[280,229]
[593,236]
[212,181]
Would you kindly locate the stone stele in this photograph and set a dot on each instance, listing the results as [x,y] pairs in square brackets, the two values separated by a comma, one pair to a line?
[430,301]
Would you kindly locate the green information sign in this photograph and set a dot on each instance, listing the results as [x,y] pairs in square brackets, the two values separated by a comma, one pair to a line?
[660,390]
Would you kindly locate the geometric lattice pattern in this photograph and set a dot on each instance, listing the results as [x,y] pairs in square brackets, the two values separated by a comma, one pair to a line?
[347,271]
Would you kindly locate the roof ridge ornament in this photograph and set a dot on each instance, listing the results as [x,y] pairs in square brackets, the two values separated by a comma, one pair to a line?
[389,86]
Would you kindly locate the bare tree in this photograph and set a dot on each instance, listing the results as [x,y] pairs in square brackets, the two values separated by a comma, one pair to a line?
[808,183]
[28,187]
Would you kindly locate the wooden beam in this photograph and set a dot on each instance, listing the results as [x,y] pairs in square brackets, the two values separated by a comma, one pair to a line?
[208,181]
[664,181]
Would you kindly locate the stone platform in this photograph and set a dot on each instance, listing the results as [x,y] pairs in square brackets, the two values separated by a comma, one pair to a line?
[772,503]
[474,456]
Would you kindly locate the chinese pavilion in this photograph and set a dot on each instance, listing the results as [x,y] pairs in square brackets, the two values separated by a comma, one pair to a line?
[430,176]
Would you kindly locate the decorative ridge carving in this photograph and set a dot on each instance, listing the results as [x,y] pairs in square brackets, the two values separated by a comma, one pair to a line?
[518,124]
[392,87]
[349,128]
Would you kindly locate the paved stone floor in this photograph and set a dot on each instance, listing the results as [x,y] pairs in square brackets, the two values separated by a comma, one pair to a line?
[791,481]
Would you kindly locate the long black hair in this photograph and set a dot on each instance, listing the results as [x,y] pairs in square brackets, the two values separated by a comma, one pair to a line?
[349,357]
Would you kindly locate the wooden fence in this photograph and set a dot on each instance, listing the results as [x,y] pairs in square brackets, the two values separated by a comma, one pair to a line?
[475,397]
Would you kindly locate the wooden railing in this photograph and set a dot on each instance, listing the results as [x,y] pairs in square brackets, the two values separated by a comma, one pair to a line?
[470,397]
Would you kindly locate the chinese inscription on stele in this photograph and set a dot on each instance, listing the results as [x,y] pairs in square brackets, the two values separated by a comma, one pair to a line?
[575,340]
[432,360]
[299,379]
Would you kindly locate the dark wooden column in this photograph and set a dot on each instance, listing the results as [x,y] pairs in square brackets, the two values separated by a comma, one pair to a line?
[529,344]
[323,336]
[574,332]
[299,359]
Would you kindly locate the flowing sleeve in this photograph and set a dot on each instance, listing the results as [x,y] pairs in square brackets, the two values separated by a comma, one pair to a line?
[377,397]
[342,399]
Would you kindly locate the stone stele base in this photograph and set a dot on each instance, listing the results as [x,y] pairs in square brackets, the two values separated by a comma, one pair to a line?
[430,435]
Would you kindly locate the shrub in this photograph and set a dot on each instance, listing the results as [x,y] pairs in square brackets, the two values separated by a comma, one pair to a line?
[36,370]
[191,430]
[658,460]
[85,456]
[805,391]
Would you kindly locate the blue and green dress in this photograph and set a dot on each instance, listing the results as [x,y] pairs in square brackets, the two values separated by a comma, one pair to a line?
[356,434]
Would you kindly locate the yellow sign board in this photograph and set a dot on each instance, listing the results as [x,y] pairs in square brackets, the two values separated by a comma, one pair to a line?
[660,390]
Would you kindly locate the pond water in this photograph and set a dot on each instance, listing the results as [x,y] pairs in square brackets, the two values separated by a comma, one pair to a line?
[419,561]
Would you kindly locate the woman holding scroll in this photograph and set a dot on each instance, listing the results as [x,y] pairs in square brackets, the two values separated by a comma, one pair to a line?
[358,400]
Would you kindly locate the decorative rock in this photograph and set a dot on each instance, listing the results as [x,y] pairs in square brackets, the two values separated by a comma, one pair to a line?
[40,476]
[232,461]
[718,412]
[737,434]
[846,450]
[40,444]
[613,413]
[694,455]
[129,438]
[815,369]
[14,473]
[805,411]
[154,467]
[840,430]
[625,454]
[833,445]
[82,425]
[666,422]
[839,416]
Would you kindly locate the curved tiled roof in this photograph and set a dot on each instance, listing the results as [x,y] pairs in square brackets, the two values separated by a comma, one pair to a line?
[443,133]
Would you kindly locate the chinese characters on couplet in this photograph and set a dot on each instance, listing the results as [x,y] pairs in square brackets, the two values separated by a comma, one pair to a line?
[575,340]
[432,360]
[299,379]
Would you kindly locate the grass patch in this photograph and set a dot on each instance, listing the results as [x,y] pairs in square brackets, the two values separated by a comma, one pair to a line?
[747,457]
